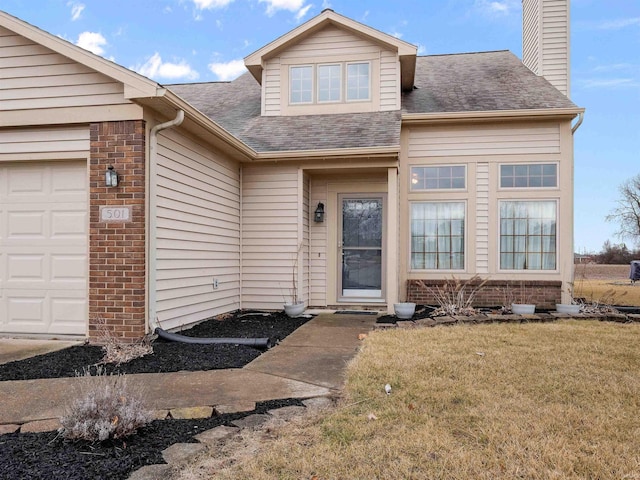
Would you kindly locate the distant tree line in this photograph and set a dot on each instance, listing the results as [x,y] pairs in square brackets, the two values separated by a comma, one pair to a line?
[616,254]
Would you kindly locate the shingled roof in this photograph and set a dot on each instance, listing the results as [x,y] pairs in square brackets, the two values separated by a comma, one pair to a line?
[474,82]
[488,81]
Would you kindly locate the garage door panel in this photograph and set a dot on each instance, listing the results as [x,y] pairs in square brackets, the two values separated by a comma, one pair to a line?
[28,224]
[68,225]
[26,268]
[69,269]
[43,248]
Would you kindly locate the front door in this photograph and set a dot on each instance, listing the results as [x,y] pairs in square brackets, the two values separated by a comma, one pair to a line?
[360,249]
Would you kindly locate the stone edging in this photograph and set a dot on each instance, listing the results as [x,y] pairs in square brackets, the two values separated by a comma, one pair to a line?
[511,318]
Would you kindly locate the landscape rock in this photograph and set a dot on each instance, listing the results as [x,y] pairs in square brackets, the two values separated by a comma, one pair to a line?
[181,452]
[151,472]
[252,421]
[287,413]
[214,435]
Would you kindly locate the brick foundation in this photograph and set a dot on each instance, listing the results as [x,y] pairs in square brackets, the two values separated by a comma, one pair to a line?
[543,294]
[117,294]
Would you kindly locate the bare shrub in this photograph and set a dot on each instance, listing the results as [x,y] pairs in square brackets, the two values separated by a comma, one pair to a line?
[106,408]
[456,296]
[115,350]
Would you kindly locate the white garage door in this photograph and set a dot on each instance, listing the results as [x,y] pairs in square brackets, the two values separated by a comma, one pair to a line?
[43,248]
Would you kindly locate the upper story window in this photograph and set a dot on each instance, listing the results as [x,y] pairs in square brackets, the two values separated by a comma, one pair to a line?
[329,83]
[534,175]
[325,83]
[302,84]
[358,81]
[436,178]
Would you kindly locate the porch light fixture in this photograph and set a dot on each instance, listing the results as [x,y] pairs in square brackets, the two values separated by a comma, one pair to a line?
[111,177]
[319,213]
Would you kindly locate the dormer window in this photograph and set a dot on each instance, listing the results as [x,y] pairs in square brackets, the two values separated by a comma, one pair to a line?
[302,84]
[358,81]
[329,83]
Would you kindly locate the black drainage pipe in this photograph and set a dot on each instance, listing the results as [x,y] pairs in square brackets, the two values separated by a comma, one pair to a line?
[260,343]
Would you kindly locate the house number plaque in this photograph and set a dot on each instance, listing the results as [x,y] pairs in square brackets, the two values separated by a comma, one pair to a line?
[115,214]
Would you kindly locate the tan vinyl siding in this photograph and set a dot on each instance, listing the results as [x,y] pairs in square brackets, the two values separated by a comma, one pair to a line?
[35,79]
[318,246]
[482,218]
[484,140]
[555,44]
[306,220]
[530,38]
[545,40]
[198,232]
[44,143]
[333,45]
[389,81]
[270,212]
[271,90]
[331,41]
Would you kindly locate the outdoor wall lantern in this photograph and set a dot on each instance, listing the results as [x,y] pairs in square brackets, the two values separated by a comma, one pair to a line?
[319,213]
[111,177]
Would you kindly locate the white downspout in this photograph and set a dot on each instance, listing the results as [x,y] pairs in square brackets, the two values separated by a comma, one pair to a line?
[153,219]
[578,123]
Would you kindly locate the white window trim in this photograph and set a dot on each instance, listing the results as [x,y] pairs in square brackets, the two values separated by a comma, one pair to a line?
[342,82]
[498,236]
[440,190]
[511,189]
[313,82]
[464,243]
[346,82]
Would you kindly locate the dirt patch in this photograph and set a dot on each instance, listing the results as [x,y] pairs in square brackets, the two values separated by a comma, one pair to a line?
[594,271]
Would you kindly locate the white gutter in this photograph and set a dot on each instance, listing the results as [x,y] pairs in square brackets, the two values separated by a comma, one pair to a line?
[578,123]
[153,219]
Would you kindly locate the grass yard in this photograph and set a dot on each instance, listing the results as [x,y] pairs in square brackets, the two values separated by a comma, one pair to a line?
[606,284]
[536,401]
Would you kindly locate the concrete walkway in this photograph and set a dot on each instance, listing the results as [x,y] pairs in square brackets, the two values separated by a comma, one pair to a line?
[309,363]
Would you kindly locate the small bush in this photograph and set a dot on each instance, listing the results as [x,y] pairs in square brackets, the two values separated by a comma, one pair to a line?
[105,409]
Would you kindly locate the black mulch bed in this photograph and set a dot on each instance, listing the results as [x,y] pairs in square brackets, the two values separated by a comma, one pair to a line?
[47,456]
[166,356]
[36,456]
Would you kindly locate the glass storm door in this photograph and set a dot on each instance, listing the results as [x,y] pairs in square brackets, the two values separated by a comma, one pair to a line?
[360,248]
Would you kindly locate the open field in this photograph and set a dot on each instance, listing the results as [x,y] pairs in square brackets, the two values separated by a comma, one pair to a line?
[608,284]
[537,401]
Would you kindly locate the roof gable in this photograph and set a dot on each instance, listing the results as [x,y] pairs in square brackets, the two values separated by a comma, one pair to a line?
[406,52]
[135,85]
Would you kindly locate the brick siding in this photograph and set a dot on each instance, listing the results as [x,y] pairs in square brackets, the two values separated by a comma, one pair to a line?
[543,294]
[117,250]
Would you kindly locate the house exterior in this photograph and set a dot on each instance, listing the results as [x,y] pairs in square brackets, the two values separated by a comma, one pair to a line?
[341,163]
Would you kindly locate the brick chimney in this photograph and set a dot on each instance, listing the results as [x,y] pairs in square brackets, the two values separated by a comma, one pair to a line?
[545,40]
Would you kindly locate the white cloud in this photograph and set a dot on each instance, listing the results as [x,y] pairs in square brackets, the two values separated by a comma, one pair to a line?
[611,83]
[619,24]
[422,50]
[156,68]
[326,4]
[211,4]
[291,5]
[76,10]
[302,12]
[498,7]
[396,34]
[229,70]
[92,41]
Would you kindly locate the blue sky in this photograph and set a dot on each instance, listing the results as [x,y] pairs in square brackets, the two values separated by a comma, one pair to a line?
[176,41]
